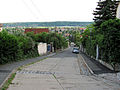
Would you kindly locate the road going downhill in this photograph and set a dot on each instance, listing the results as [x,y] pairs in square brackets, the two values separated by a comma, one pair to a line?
[59,72]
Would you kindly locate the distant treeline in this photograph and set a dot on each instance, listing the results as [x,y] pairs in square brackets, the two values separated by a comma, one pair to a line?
[46,24]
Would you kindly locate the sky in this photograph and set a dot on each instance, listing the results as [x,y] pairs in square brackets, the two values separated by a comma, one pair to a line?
[46,10]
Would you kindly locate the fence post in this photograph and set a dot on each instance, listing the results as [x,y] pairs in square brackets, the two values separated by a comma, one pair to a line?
[97,52]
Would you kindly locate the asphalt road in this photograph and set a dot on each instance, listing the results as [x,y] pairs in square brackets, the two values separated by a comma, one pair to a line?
[63,71]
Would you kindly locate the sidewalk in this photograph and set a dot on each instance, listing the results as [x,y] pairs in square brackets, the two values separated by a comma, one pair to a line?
[5,70]
[95,66]
[100,70]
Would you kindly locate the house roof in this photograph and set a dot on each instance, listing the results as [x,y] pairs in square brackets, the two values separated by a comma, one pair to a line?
[36,30]
[1,25]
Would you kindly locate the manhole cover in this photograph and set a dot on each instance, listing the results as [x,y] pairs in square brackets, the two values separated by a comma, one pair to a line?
[34,72]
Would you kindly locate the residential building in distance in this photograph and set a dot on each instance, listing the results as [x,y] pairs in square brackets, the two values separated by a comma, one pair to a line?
[36,30]
[1,25]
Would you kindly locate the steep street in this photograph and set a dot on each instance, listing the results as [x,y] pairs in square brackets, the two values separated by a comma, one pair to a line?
[63,71]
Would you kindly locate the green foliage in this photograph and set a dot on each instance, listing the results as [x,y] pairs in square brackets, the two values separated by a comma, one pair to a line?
[58,40]
[26,44]
[31,35]
[47,24]
[105,10]
[111,47]
[8,82]
[107,39]
[75,37]
[42,37]
[15,47]
[9,47]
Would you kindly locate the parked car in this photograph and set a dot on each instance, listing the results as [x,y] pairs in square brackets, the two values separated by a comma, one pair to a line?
[75,50]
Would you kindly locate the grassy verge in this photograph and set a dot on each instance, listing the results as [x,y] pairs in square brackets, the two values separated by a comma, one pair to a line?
[8,82]
[21,67]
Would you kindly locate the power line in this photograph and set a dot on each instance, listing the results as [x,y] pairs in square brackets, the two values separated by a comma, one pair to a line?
[37,9]
[36,17]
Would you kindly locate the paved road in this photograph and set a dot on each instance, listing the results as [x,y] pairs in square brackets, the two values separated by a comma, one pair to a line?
[60,72]
[6,69]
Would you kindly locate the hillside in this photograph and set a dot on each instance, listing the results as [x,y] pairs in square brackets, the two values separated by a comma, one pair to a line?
[46,24]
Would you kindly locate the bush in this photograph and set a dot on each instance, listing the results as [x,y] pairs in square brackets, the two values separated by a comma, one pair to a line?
[107,38]
[111,47]
[58,40]
[9,47]
[15,47]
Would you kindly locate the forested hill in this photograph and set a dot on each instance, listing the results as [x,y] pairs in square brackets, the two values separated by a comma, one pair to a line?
[46,24]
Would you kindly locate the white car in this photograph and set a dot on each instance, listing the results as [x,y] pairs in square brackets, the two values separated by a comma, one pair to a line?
[75,50]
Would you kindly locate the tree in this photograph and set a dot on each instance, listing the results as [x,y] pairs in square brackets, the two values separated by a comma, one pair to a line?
[31,35]
[106,10]
[111,47]
[42,37]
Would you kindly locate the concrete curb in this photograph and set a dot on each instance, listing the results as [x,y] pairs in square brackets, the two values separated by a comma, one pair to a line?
[87,65]
[9,75]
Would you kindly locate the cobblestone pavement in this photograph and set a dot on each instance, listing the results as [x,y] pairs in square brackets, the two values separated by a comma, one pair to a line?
[61,72]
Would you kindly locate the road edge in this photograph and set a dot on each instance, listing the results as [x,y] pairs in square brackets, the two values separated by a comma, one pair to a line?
[15,70]
[86,64]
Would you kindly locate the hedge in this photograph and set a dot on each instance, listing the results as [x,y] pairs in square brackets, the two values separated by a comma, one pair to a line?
[16,47]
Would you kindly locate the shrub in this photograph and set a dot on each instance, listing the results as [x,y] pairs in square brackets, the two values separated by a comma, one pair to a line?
[15,47]
[9,47]
[111,47]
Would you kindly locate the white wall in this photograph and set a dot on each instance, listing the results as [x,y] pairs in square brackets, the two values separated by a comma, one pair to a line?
[42,48]
[118,11]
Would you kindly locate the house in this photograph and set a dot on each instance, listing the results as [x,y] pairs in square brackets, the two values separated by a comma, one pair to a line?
[1,25]
[36,30]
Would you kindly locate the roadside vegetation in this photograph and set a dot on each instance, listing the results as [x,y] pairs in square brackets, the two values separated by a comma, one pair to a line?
[8,82]
[104,33]
[16,45]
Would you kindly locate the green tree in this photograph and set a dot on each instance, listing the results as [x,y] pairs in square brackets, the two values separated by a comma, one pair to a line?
[41,37]
[31,35]
[105,10]
[111,47]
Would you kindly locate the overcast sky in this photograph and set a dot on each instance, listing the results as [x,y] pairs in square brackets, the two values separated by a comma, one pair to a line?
[46,10]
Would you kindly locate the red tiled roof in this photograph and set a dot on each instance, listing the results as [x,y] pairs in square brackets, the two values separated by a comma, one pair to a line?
[1,25]
[36,30]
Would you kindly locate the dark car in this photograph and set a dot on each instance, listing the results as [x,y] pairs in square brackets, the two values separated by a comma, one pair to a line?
[75,50]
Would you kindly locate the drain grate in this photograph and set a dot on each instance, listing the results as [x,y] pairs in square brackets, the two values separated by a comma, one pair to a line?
[34,72]
[5,71]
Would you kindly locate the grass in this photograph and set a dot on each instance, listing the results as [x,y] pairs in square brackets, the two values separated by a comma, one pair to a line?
[21,67]
[36,61]
[54,76]
[8,82]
